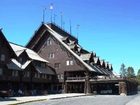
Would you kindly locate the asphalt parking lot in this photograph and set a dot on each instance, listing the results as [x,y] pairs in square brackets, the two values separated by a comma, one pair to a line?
[88,100]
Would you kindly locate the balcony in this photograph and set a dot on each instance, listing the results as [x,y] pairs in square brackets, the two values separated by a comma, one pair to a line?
[75,79]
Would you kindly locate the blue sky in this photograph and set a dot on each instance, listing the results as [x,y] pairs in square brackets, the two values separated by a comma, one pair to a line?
[111,28]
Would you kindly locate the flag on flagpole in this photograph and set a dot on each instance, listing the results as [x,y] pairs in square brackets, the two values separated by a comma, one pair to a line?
[51,6]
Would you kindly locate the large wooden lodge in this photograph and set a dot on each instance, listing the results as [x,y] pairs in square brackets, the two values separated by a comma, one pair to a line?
[54,62]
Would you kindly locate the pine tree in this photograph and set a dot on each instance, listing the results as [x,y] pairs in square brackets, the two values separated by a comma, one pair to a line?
[138,76]
[123,70]
[130,72]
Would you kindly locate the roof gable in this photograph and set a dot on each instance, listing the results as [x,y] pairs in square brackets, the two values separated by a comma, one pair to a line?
[6,43]
[55,35]
[30,53]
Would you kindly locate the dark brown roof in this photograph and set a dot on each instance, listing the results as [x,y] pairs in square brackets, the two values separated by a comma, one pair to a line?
[2,37]
[47,70]
[62,32]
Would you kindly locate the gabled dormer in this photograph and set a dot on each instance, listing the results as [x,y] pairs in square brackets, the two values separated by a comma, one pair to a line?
[110,67]
[96,61]
[102,63]
[88,58]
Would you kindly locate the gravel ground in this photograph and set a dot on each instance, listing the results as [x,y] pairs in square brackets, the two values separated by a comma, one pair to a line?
[88,100]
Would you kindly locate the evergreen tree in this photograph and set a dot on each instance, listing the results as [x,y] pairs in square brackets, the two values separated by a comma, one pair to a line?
[123,70]
[130,72]
[138,76]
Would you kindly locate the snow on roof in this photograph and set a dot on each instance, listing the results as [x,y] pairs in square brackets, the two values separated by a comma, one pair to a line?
[15,65]
[31,54]
[101,62]
[56,35]
[85,56]
[110,66]
[96,59]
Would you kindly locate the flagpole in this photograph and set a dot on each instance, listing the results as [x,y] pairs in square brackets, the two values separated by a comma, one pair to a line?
[51,8]
[54,17]
[61,19]
[43,15]
[78,30]
[70,26]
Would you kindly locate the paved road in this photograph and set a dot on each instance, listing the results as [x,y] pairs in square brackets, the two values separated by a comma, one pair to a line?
[88,100]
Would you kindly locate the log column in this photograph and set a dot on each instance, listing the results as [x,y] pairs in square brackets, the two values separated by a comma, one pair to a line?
[87,88]
[122,88]
[65,88]
[65,83]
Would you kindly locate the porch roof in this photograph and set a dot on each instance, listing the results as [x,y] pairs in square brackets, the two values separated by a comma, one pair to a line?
[46,70]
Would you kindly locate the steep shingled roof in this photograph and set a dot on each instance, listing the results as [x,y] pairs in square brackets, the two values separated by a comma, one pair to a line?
[2,37]
[69,43]
[31,54]
[66,46]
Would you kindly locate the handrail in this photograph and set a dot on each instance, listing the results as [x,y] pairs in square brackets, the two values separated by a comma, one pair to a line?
[75,78]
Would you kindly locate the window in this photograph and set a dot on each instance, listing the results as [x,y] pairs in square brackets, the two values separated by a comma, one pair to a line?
[56,65]
[51,55]
[1,71]
[2,58]
[27,74]
[38,75]
[49,42]
[35,75]
[69,62]
[58,76]
[50,77]
[43,65]
[62,76]
[15,73]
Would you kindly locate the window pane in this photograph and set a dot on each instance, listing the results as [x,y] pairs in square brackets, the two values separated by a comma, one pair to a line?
[71,62]
[51,55]
[2,57]
[56,65]
[67,63]
[49,42]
